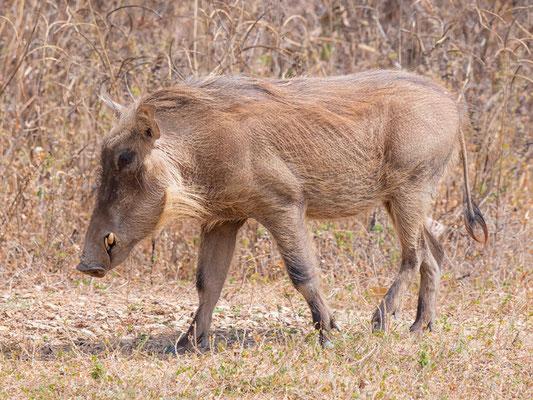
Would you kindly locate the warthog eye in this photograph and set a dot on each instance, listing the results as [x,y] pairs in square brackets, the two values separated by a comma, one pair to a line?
[125,158]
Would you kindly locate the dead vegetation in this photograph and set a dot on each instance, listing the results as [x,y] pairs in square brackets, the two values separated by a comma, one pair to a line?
[62,335]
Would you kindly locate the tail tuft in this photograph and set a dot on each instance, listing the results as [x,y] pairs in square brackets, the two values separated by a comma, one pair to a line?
[473,219]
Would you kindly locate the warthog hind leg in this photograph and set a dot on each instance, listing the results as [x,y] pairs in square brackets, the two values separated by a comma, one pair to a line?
[430,271]
[408,212]
[392,302]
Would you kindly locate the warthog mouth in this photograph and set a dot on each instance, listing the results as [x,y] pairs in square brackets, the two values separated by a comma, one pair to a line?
[96,271]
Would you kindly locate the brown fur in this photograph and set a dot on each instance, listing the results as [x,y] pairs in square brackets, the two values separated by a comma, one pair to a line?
[281,151]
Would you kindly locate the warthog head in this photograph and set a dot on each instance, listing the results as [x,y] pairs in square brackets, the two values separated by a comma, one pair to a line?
[130,198]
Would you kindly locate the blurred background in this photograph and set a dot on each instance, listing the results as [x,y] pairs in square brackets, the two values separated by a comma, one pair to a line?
[56,58]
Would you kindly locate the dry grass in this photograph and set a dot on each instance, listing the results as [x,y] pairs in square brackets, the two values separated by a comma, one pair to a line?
[65,336]
[90,341]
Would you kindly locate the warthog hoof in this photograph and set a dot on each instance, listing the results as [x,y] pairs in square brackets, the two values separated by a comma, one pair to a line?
[419,326]
[323,334]
[379,320]
[185,344]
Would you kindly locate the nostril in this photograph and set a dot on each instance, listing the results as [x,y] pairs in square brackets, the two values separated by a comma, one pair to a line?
[109,241]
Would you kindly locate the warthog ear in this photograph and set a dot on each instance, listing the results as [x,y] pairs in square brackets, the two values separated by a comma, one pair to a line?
[145,122]
[116,107]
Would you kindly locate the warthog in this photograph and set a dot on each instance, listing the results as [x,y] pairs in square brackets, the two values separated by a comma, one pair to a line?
[225,149]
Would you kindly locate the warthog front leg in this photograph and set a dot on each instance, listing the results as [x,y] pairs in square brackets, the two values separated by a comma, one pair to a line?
[214,258]
[289,229]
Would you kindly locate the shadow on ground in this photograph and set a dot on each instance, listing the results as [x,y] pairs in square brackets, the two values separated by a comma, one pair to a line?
[157,345]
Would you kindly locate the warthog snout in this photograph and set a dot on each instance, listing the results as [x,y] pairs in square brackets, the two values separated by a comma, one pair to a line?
[97,255]
[93,270]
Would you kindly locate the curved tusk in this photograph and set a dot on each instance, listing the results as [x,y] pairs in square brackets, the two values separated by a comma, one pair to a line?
[106,243]
[111,238]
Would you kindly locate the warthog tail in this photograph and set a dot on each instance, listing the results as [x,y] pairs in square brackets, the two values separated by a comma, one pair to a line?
[472,214]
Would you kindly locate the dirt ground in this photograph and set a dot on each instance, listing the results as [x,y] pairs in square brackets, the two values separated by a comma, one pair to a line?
[87,338]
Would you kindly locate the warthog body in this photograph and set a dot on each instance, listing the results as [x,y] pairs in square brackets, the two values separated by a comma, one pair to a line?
[226,149]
